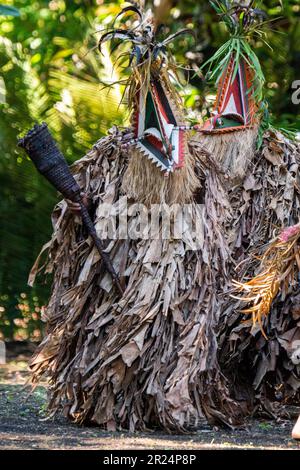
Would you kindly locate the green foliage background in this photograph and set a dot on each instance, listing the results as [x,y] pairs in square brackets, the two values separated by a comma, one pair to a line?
[50,70]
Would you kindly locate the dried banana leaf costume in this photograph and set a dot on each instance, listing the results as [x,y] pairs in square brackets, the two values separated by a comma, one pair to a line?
[147,358]
[255,352]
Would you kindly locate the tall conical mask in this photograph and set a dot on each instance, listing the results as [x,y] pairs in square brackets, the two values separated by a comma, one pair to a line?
[160,167]
[231,131]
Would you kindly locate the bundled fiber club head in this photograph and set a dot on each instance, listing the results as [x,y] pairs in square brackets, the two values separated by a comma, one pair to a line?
[49,161]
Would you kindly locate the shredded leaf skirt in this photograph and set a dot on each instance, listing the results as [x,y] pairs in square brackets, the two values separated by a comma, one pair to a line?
[173,351]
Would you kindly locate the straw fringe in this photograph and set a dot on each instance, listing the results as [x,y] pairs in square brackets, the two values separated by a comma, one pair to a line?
[280,265]
[234,151]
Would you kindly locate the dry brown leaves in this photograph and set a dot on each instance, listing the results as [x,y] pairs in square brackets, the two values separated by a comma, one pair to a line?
[158,356]
[267,202]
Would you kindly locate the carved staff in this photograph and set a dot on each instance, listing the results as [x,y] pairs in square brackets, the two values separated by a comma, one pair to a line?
[49,161]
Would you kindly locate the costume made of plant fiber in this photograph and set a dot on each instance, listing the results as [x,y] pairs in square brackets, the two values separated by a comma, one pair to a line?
[151,357]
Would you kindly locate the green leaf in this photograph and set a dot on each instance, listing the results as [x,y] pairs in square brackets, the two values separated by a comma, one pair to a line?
[6,10]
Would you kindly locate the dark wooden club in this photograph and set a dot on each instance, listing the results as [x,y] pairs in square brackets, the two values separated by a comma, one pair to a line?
[49,161]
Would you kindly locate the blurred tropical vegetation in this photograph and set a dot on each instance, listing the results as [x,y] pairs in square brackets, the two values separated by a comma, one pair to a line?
[50,70]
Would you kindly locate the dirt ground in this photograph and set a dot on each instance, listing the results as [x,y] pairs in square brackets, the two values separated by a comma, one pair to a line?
[23,426]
